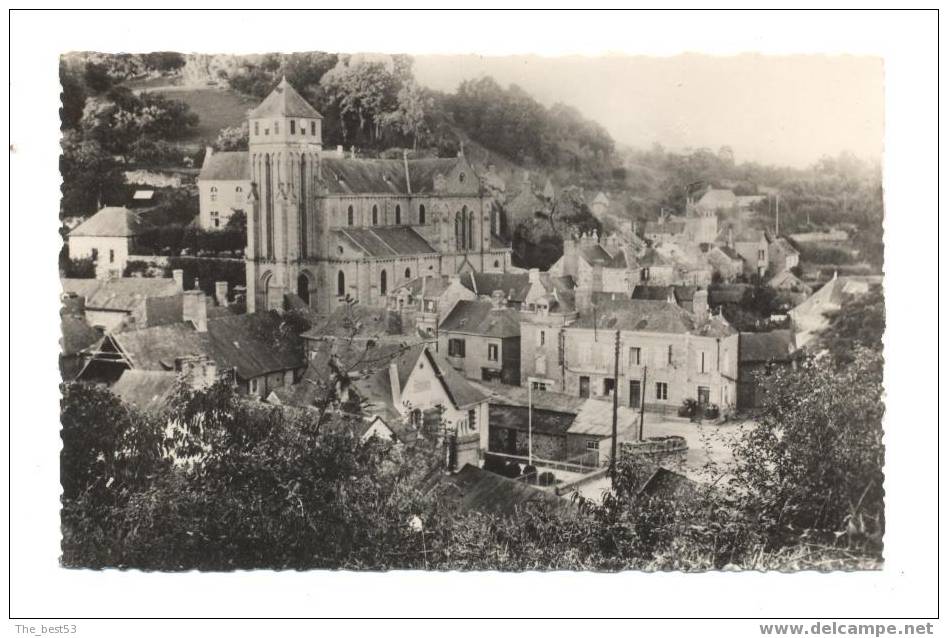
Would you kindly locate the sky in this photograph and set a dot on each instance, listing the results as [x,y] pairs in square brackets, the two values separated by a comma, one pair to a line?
[787,110]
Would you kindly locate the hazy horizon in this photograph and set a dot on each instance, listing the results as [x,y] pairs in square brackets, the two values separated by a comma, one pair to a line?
[785,110]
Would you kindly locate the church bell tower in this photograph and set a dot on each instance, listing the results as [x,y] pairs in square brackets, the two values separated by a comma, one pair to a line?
[284,155]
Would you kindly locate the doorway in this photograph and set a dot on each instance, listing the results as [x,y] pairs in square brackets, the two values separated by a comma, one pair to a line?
[704,395]
[635,394]
[584,387]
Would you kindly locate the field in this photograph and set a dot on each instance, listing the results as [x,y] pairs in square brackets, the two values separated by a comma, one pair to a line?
[216,108]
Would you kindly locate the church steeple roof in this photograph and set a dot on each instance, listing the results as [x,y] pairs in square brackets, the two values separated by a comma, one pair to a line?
[285,101]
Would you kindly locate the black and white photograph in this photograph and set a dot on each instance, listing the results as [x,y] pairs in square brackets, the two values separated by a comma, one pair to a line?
[364,310]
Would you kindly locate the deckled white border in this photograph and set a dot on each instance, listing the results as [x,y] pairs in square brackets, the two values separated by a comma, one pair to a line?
[905,588]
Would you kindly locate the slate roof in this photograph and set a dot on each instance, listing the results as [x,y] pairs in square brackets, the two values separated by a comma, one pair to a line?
[77,334]
[387,241]
[639,316]
[653,293]
[596,255]
[124,294]
[146,389]
[475,489]
[717,198]
[482,319]
[356,321]
[671,226]
[515,285]
[226,166]
[763,347]
[284,101]
[783,244]
[111,221]
[513,395]
[248,342]
[729,294]
[729,252]
[595,419]
[382,176]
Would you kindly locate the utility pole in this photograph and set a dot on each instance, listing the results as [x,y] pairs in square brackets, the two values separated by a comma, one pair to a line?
[777,227]
[642,405]
[615,414]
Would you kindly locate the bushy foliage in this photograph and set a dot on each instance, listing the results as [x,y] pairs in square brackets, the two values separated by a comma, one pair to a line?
[859,323]
[91,177]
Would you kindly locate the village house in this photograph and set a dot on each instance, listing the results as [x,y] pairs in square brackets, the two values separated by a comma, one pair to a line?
[667,228]
[476,489]
[760,351]
[751,245]
[651,268]
[107,238]
[251,350]
[809,317]
[328,228]
[690,266]
[594,266]
[666,354]
[782,255]
[481,339]
[77,336]
[787,281]
[223,187]
[549,307]
[128,302]
[726,265]
[717,200]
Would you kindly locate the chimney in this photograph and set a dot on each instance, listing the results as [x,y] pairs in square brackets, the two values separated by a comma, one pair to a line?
[396,386]
[178,276]
[700,305]
[220,293]
[535,274]
[195,309]
[498,300]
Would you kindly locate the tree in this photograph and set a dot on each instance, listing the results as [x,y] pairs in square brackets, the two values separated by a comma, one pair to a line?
[73,98]
[233,138]
[813,464]
[859,323]
[411,116]
[364,90]
[97,77]
[90,176]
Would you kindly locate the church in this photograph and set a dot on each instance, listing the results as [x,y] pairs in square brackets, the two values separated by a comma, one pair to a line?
[325,227]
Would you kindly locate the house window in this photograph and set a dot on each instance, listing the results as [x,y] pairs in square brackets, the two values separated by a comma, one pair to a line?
[213,193]
[635,356]
[302,127]
[256,128]
[398,214]
[542,336]
[661,391]
[461,177]
[492,351]
[592,444]
[408,273]
[760,255]
[239,190]
[455,347]
[95,254]
[375,215]
[472,420]
[111,256]
[669,355]
[608,386]
[702,362]
[266,131]
[312,128]
[253,386]
[292,127]
[276,128]
[539,386]
[496,264]
[421,214]
[341,284]
[350,216]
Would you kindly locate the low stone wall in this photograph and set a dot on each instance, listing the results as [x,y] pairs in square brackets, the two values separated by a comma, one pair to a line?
[572,486]
[655,446]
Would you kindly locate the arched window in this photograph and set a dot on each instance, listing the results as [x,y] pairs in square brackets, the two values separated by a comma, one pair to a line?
[239,190]
[408,273]
[213,193]
[302,288]
[421,214]
[351,216]
[398,214]
[375,215]
[496,264]
[459,230]
[470,229]
[383,282]
[341,284]
[304,239]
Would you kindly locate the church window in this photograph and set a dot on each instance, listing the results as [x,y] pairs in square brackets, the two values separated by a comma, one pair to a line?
[375,215]
[496,264]
[256,128]
[383,282]
[408,273]
[459,230]
[350,216]
[312,128]
[470,229]
[239,190]
[292,127]
[341,250]
[421,214]
[398,214]
[276,128]
[341,284]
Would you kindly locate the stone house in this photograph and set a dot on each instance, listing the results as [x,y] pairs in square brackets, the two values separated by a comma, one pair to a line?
[107,238]
[751,245]
[594,266]
[481,339]
[782,255]
[760,351]
[549,307]
[511,422]
[725,263]
[666,354]
[223,187]
[128,302]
